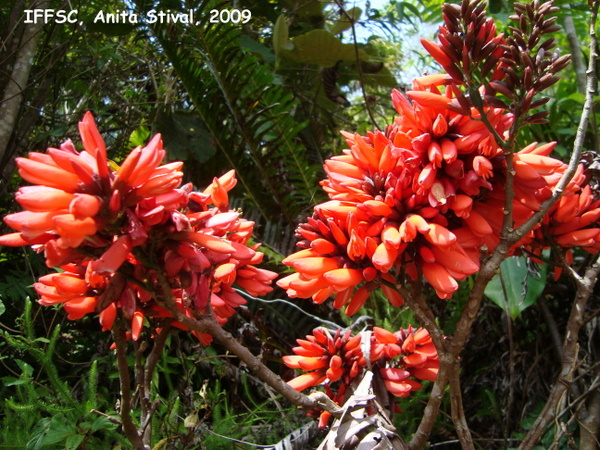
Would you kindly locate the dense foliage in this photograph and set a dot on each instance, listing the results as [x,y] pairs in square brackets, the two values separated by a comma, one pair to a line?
[422,203]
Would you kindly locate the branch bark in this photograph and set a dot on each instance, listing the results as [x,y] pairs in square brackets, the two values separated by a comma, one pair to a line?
[575,46]
[207,324]
[590,425]
[13,93]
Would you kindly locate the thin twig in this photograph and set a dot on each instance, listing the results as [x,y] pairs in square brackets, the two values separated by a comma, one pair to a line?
[144,374]
[110,418]
[333,325]
[155,353]
[358,67]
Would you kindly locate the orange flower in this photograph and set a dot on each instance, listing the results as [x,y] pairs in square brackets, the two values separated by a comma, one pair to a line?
[67,204]
[335,361]
[451,152]
[574,221]
[328,359]
[419,355]
[392,194]
[97,220]
[420,199]
[335,259]
[334,358]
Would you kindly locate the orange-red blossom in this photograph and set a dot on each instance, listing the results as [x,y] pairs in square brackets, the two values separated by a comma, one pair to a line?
[113,229]
[335,361]
[418,200]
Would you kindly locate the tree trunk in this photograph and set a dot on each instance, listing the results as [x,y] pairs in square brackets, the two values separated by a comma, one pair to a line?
[19,75]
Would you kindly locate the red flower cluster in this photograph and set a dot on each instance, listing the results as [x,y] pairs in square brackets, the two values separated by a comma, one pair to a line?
[421,198]
[111,230]
[414,200]
[573,221]
[336,361]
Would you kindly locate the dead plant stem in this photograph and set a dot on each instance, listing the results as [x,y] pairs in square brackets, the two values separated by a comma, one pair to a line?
[569,360]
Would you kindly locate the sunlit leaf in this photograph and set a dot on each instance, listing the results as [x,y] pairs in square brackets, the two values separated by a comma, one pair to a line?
[343,24]
[280,35]
[321,48]
[139,136]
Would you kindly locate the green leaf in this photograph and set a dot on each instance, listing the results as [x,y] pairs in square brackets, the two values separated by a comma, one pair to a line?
[2,307]
[49,431]
[73,441]
[26,369]
[100,423]
[322,48]
[517,286]
[310,9]
[12,381]
[280,35]
[578,97]
[250,44]
[139,136]
[343,24]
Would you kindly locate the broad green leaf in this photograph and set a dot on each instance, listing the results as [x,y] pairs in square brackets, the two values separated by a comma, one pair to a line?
[309,9]
[322,48]
[280,35]
[343,24]
[578,97]
[51,430]
[73,441]
[256,47]
[26,369]
[12,381]
[517,286]
[100,423]
[139,136]
[2,307]
[383,77]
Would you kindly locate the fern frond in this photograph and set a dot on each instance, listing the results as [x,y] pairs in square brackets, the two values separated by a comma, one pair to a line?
[21,407]
[248,115]
[91,400]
